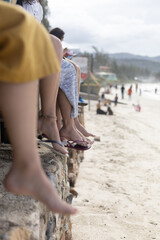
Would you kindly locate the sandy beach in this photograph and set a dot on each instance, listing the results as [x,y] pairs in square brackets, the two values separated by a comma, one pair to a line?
[119,179]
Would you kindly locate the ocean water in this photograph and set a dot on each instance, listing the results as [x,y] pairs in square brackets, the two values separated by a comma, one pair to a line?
[148,90]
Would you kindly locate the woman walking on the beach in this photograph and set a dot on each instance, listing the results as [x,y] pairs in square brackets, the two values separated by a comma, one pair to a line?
[130,92]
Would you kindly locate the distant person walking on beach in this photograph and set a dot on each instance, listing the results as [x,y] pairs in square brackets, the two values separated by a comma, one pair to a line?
[122,91]
[136,87]
[116,100]
[130,92]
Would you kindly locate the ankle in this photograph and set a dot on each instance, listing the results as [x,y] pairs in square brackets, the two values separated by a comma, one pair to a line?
[48,117]
[46,121]
[67,127]
[26,165]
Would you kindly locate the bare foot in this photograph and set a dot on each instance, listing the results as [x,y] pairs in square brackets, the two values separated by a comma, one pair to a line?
[32,181]
[71,133]
[82,129]
[48,126]
[85,138]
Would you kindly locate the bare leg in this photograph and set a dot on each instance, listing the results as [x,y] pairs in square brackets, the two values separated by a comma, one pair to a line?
[18,103]
[59,116]
[48,91]
[80,128]
[68,130]
[47,124]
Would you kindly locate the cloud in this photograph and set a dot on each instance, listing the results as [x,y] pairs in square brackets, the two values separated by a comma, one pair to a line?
[112,25]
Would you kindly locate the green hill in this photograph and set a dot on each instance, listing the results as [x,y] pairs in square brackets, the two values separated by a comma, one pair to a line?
[150,63]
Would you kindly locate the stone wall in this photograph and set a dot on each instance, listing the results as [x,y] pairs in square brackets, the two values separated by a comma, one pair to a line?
[23,218]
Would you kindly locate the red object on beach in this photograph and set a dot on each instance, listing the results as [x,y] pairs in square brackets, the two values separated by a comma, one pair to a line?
[137,107]
[129,91]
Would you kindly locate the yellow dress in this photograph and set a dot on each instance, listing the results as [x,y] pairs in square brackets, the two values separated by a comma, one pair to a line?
[26,51]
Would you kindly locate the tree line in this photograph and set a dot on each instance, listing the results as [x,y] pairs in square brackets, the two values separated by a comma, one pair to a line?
[122,71]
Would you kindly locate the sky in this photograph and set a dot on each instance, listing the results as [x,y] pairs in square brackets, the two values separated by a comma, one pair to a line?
[112,26]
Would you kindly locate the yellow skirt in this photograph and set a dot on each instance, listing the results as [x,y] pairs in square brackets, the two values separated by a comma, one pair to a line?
[26,51]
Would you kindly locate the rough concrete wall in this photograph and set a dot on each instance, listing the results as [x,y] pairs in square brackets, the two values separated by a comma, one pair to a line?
[23,217]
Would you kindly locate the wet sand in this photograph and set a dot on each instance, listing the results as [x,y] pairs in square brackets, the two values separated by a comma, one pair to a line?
[119,180]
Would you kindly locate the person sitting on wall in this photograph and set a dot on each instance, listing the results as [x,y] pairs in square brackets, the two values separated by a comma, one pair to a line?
[19,85]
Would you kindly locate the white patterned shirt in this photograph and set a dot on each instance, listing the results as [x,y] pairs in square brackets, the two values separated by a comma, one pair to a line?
[35,9]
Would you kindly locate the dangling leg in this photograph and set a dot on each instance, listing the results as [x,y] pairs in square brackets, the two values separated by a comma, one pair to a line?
[68,130]
[49,85]
[59,116]
[18,104]
[69,84]
[47,123]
